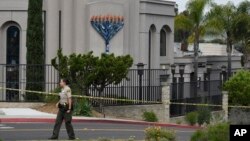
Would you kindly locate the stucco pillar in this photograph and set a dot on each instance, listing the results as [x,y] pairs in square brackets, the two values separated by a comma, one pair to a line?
[166,101]
[156,52]
[67,26]
[79,26]
[52,30]
[225,104]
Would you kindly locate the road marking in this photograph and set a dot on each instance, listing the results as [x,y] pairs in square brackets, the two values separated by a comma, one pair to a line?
[6,127]
[2,126]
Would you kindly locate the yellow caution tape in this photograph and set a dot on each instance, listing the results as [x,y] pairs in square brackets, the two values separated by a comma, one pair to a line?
[125,100]
[81,96]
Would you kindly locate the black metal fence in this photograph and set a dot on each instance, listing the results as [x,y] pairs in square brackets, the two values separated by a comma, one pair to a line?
[14,76]
[145,86]
[209,92]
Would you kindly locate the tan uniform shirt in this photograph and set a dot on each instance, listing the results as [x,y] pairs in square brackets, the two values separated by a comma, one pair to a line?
[65,94]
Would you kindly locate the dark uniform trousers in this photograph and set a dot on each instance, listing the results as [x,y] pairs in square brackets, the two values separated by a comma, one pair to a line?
[67,117]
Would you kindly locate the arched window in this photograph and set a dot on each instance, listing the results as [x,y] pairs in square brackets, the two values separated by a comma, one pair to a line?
[149,48]
[13,45]
[12,61]
[163,43]
[151,40]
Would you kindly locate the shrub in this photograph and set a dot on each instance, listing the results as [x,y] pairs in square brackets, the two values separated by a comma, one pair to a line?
[191,118]
[82,107]
[131,138]
[204,115]
[219,132]
[149,116]
[157,134]
[238,88]
[178,122]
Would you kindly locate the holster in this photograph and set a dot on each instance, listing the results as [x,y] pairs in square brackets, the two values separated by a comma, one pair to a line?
[64,106]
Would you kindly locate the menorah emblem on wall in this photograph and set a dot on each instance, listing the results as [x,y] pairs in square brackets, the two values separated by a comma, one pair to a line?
[107,26]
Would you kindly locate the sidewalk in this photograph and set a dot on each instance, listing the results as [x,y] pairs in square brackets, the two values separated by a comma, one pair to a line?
[27,115]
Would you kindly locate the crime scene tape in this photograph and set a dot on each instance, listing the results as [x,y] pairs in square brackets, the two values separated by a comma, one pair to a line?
[125,100]
[80,96]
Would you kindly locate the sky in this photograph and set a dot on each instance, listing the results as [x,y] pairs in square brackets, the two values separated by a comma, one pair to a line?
[182,3]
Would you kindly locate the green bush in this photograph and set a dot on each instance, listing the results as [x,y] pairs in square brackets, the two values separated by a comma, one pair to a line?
[238,88]
[191,118]
[157,134]
[219,132]
[178,122]
[204,115]
[82,107]
[149,116]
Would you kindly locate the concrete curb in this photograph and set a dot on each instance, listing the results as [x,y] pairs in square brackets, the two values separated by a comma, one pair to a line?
[78,120]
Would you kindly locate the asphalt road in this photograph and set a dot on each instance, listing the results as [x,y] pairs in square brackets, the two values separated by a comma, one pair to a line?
[84,131]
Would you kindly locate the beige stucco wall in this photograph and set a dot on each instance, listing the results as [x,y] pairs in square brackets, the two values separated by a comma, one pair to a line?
[78,36]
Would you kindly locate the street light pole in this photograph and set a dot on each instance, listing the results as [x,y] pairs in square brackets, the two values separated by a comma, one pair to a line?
[140,71]
[173,67]
[181,88]
[209,69]
[181,71]
[224,74]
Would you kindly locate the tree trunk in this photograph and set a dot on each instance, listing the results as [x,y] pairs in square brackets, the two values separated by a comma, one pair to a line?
[100,101]
[245,55]
[196,57]
[229,57]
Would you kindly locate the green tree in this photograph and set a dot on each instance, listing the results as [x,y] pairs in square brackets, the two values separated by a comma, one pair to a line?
[78,68]
[241,29]
[196,23]
[85,70]
[35,51]
[110,69]
[238,88]
[182,29]
[220,21]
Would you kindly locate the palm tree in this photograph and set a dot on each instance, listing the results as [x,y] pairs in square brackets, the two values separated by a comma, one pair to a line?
[196,22]
[241,29]
[182,29]
[220,21]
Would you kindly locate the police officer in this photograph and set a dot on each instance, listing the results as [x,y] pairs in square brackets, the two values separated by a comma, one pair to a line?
[64,112]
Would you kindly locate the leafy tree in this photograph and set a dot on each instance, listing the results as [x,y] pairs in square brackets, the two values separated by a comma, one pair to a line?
[241,29]
[108,70]
[61,64]
[35,51]
[76,68]
[85,70]
[182,29]
[220,21]
[238,88]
